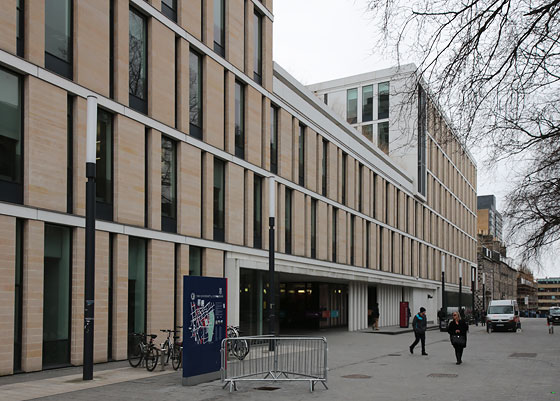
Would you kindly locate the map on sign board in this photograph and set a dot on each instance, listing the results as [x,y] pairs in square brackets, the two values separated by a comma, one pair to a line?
[203,320]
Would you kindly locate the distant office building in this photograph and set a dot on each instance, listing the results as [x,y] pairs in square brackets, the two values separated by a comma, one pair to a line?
[548,293]
[489,221]
[526,290]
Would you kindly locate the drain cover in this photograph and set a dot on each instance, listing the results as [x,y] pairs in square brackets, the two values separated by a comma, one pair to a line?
[357,376]
[267,388]
[450,375]
[393,354]
[523,355]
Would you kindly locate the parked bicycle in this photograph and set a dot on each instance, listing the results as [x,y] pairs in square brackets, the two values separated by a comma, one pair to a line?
[142,350]
[172,349]
[238,348]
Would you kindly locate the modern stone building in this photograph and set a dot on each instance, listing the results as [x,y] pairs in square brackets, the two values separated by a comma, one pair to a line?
[193,117]
[548,293]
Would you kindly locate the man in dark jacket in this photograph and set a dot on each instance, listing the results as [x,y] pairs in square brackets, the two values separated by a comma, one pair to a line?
[419,327]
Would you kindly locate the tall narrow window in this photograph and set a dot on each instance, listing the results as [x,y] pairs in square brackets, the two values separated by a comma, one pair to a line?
[324,166]
[301,155]
[110,298]
[57,295]
[288,221]
[352,105]
[367,103]
[169,9]
[195,95]
[352,238]
[326,98]
[219,200]
[112,48]
[239,120]
[257,211]
[18,297]
[422,117]
[137,286]
[360,186]
[383,100]
[11,138]
[104,166]
[313,228]
[334,233]
[274,139]
[58,37]
[257,47]
[20,27]
[219,27]
[383,136]
[344,162]
[69,154]
[168,184]
[195,261]
[138,62]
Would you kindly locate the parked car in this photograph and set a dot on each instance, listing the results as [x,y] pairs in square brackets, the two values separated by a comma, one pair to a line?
[503,314]
[554,315]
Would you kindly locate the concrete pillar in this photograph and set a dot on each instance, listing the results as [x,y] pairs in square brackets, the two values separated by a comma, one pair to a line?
[7,278]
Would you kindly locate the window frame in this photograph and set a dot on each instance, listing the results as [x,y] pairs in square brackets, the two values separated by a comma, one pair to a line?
[220,46]
[54,63]
[169,11]
[367,108]
[239,120]
[354,118]
[169,222]
[135,102]
[195,128]
[104,210]
[257,46]
[274,139]
[288,216]
[219,225]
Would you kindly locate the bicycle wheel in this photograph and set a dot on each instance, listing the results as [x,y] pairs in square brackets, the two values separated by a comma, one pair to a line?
[135,356]
[240,349]
[177,357]
[151,358]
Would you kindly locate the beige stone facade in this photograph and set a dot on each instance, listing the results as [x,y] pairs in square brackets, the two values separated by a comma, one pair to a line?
[371,225]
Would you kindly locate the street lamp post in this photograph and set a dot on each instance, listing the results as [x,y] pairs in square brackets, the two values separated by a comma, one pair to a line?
[443,316]
[473,274]
[460,287]
[271,234]
[89,298]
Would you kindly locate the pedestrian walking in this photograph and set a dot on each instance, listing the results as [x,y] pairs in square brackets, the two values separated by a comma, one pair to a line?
[419,327]
[375,315]
[458,334]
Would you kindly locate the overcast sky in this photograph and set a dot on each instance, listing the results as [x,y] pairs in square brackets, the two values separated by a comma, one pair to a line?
[319,40]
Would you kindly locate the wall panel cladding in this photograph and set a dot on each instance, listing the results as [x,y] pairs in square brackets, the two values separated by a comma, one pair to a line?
[213,103]
[161,285]
[235,33]
[189,17]
[189,189]
[161,70]
[78,295]
[298,223]
[311,160]
[45,145]
[213,263]
[234,201]
[91,50]
[8,18]
[129,175]
[253,130]
[285,144]
[101,310]
[7,288]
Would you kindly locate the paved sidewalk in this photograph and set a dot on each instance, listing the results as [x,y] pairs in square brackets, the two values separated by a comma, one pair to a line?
[498,366]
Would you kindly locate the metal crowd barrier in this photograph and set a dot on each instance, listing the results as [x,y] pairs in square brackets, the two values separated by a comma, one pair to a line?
[274,359]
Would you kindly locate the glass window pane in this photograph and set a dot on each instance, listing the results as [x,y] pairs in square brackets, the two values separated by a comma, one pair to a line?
[56,295]
[367,131]
[367,103]
[288,221]
[257,44]
[168,178]
[58,29]
[104,157]
[273,139]
[352,105]
[301,146]
[11,157]
[219,199]
[136,285]
[257,211]
[195,89]
[18,298]
[239,120]
[219,24]
[324,168]
[195,261]
[137,55]
[383,136]
[383,100]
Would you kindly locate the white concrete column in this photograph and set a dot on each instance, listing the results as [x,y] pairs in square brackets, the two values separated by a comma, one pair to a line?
[357,306]
[232,275]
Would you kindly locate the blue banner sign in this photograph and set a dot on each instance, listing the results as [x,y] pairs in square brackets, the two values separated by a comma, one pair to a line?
[204,324]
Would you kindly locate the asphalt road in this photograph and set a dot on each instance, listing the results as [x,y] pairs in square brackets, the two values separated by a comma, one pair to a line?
[387,371]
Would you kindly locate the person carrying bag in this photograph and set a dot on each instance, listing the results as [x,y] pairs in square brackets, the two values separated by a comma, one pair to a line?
[457,330]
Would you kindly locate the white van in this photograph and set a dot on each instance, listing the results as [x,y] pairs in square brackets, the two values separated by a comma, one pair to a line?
[503,314]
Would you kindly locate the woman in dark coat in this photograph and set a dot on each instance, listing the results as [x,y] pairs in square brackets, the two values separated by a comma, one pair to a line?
[458,327]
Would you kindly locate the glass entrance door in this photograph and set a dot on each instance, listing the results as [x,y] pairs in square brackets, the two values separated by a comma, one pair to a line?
[56,296]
